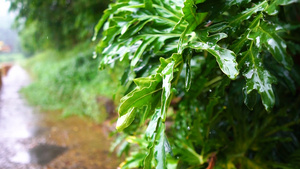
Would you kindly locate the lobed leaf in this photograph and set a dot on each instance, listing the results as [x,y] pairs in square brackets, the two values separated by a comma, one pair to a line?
[274,5]
[147,89]
[258,78]
[266,35]
[248,13]
[191,16]
[225,58]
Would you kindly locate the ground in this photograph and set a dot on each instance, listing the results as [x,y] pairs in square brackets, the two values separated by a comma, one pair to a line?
[32,139]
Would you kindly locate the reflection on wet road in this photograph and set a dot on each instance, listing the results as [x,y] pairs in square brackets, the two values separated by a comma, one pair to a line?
[30,139]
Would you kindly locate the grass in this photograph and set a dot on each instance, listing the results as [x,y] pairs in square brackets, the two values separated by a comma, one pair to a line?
[70,81]
[11,57]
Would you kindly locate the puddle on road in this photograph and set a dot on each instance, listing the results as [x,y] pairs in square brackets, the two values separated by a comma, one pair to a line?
[30,139]
[41,154]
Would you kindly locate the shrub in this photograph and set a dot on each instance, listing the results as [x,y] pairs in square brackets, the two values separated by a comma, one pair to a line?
[220,72]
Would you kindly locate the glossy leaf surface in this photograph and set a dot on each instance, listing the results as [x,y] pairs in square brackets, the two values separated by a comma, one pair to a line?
[186,58]
[257,78]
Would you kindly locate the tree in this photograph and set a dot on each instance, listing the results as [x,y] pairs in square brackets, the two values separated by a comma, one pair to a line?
[57,24]
[226,69]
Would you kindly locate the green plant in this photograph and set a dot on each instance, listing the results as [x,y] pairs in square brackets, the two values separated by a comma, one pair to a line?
[69,81]
[57,24]
[218,59]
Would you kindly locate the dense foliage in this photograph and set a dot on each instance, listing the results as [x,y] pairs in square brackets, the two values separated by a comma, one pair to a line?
[56,23]
[211,84]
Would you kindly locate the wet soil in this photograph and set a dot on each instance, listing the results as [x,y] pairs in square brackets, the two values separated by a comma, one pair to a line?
[31,139]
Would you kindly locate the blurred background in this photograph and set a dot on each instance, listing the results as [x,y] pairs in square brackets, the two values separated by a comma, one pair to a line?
[49,73]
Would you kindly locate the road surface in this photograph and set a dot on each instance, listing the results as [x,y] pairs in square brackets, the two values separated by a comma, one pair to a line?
[31,139]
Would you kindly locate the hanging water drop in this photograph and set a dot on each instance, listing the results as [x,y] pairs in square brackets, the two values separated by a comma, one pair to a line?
[94,55]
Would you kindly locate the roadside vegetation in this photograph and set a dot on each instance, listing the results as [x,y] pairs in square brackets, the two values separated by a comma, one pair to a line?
[69,81]
[56,37]
[204,84]
[213,84]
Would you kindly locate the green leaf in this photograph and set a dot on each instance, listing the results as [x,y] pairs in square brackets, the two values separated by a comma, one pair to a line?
[155,135]
[258,78]
[238,44]
[126,119]
[167,75]
[225,58]
[151,136]
[147,89]
[266,35]
[152,126]
[141,96]
[248,13]
[160,151]
[141,49]
[136,30]
[249,98]
[188,71]
[190,14]
[112,8]
[274,6]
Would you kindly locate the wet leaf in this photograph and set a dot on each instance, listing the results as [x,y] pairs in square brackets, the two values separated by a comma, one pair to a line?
[167,75]
[225,58]
[191,16]
[274,5]
[141,96]
[266,35]
[239,44]
[258,78]
[188,71]
[154,39]
[141,49]
[160,150]
[248,13]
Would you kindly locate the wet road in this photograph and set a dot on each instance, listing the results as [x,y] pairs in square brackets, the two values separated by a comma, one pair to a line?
[31,139]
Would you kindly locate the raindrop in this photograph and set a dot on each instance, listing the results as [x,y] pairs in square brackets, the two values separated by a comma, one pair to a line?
[210,90]
[188,128]
[94,55]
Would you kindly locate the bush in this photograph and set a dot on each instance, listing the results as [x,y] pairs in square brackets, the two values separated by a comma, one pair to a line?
[220,72]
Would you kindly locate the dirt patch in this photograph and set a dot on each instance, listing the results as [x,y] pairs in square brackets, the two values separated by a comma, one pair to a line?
[32,140]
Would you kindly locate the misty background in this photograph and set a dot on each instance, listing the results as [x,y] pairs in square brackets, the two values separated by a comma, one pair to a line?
[8,35]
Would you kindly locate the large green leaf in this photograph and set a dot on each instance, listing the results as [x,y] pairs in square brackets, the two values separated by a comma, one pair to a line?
[265,34]
[147,89]
[133,29]
[238,45]
[258,78]
[225,58]
[191,16]
[160,149]
[248,13]
[167,75]
[151,134]
[274,5]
